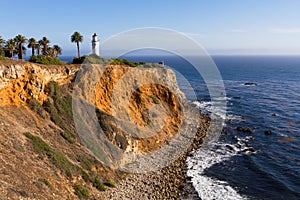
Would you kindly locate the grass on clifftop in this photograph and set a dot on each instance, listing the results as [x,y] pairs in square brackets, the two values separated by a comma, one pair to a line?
[3,58]
[95,59]
[46,60]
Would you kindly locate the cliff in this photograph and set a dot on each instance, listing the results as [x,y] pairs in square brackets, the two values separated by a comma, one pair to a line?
[21,81]
[43,155]
[46,152]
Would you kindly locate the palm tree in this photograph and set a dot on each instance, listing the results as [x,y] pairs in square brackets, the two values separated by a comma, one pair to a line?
[44,43]
[38,47]
[77,37]
[49,52]
[2,42]
[11,46]
[57,50]
[32,44]
[20,39]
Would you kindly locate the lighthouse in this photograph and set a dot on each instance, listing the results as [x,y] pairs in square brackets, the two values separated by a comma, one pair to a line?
[95,44]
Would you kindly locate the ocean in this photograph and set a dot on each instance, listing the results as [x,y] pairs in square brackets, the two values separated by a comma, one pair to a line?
[262,94]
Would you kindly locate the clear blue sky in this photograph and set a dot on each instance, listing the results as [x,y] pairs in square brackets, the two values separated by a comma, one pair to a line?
[231,26]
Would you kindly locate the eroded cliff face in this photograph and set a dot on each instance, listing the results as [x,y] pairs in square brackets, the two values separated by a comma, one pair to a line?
[21,81]
[145,97]
[145,104]
[139,110]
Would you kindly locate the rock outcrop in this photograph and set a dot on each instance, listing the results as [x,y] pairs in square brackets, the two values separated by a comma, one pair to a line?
[21,81]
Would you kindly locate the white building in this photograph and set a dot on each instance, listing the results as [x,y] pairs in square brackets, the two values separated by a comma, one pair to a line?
[95,44]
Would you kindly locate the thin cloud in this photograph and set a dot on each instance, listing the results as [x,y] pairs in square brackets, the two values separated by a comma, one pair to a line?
[285,30]
[238,31]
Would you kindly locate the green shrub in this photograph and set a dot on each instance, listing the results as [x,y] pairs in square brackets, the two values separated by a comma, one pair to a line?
[60,109]
[78,60]
[149,122]
[84,175]
[151,65]
[98,185]
[81,191]
[53,89]
[34,105]
[101,187]
[46,60]
[95,59]
[68,136]
[39,145]
[154,99]
[47,183]
[86,163]
[3,58]
[2,53]
[109,184]
[91,59]
[117,61]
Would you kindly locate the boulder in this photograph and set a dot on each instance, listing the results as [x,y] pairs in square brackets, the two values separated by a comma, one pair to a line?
[268,132]
[244,129]
[250,84]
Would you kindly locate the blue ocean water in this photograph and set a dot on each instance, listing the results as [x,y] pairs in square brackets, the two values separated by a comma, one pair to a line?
[248,165]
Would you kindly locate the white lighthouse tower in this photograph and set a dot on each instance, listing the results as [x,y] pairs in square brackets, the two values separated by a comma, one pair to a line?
[95,44]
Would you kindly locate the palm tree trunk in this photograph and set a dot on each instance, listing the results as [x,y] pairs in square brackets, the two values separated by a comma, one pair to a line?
[20,52]
[32,51]
[38,51]
[78,50]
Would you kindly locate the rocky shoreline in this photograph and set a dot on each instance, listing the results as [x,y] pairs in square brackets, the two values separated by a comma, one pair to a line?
[170,182]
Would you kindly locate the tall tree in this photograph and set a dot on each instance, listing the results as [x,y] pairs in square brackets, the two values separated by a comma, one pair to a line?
[45,43]
[11,46]
[38,47]
[57,50]
[77,38]
[32,44]
[2,42]
[20,39]
[49,52]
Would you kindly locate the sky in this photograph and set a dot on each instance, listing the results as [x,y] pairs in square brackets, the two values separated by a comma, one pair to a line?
[220,26]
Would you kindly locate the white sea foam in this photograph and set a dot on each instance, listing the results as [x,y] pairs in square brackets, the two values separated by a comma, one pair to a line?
[215,111]
[211,108]
[207,187]
[210,188]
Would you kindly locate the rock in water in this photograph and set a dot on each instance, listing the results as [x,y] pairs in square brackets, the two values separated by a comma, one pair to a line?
[244,129]
[268,132]
[250,84]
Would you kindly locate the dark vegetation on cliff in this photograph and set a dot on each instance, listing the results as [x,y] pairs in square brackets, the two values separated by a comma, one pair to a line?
[46,60]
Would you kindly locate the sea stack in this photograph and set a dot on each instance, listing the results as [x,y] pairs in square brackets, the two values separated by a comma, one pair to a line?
[95,45]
